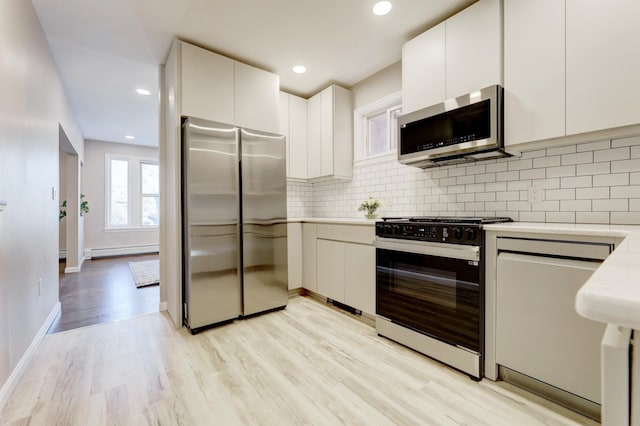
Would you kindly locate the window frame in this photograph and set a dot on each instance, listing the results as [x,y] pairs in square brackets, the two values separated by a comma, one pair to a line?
[134,192]
[361,117]
[143,194]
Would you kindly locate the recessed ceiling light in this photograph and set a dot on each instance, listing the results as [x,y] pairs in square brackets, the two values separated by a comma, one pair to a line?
[299,69]
[143,92]
[129,137]
[382,8]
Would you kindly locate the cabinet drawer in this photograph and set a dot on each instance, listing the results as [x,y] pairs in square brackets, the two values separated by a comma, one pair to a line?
[348,233]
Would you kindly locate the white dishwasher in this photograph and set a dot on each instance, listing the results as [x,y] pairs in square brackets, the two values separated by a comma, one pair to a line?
[541,341]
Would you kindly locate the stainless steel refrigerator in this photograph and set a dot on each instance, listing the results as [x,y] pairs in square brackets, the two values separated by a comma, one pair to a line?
[234,206]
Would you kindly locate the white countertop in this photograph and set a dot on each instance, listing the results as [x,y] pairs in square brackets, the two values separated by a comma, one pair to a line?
[334,220]
[612,293]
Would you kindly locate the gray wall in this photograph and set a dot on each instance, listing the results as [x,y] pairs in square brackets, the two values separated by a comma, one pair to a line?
[93,186]
[32,107]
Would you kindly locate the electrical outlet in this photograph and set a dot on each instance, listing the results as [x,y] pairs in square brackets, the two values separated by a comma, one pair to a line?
[534,194]
[54,193]
[39,286]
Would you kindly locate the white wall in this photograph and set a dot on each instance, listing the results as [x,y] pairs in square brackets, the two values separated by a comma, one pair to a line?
[93,186]
[32,107]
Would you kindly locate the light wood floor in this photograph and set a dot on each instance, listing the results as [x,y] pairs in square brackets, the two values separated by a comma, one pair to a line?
[308,364]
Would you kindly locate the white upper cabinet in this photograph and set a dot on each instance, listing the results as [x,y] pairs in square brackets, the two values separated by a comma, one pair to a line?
[603,64]
[293,124]
[314,120]
[217,88]
[458,56]
[207,84]
[534,70]
[423,70]
[330,134]
[256,98]
[474,48]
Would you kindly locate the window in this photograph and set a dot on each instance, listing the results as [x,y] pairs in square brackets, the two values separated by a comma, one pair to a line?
[376,128]
[133,192]
[150,179]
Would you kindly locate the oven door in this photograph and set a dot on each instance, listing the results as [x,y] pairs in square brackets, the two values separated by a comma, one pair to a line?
[432,288]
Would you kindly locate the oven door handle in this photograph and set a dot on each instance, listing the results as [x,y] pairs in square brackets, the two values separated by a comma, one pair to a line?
[454,251]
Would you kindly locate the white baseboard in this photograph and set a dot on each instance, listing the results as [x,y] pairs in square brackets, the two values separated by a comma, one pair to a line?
[72,269]
[14,377]
[120,251]
[162,306]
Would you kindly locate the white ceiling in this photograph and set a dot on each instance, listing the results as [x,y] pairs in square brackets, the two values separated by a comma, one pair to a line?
[105,49]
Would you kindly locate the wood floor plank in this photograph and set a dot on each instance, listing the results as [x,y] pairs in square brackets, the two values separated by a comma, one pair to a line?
[306,365]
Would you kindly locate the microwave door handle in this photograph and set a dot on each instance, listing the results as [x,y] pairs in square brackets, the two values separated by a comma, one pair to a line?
[454,251]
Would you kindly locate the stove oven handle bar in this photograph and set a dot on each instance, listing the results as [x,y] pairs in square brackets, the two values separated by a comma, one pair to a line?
[454,251]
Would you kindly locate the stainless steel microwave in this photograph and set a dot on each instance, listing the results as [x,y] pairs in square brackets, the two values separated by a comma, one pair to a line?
[463,129]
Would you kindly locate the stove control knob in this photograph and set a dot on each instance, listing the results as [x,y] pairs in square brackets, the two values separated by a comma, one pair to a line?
[472,233]
[457,233]
[396,229]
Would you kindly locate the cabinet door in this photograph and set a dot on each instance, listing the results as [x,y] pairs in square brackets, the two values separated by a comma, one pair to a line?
[207,84]
[283,126]
[297,137]
[474,48]
[538,331]
[534,70]
[423,70]
[326,131]
[360,277]
[309,254]
[294,247]
[313,135]
[603,65]
[256,98]
[342,132]
[331,264]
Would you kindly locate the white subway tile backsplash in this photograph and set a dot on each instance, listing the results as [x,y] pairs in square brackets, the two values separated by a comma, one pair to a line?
[598,193]
[532,216]
[625,218]
[593,169]
[611,179]
[463,180]
[632,191]
[576,182]
[561,150]
[635,140]
[532,174]
[575,205]
[612,154]
[507,176]
[534,154]
[561,217]
[592,217]
[560,194]
[579,158]
[611,205]
[497,167]
[546,162]
[594,146]
[496,186]
[561,171]
[594,182]
[625,165]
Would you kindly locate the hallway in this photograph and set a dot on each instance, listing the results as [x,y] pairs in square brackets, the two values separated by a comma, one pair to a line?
[103,291]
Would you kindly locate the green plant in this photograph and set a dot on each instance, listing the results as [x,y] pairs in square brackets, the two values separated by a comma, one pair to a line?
[370,205]
[84,207]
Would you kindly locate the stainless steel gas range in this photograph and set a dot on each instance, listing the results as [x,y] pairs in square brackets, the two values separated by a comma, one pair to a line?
[430,287]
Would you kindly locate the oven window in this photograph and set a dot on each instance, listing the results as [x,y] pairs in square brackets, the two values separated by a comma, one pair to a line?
[434,295]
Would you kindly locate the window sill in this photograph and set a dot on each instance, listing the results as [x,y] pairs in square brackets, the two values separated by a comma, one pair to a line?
[133,229]
[380,158]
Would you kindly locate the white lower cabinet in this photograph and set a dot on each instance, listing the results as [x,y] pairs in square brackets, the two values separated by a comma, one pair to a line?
[294,251]
[309,280]
[360,277]
[339,263]
[331,267]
